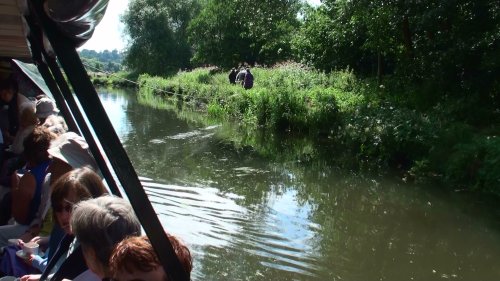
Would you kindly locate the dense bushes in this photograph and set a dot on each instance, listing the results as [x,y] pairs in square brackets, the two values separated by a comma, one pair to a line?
[299,105]
[366,126]
[118,79]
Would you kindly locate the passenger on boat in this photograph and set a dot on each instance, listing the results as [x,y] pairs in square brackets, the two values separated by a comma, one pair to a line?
[68,151]
[14,158]
[27,186]
[45,107]
[68,262]
[99,224]
[56,124]
[135,259]
[14,102]
[27,122]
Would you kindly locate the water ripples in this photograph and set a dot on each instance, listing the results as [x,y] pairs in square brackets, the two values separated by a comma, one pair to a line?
[210,221]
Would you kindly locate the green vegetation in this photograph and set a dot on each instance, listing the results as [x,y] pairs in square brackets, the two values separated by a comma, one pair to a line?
[120,79]
[102,61]
[364,126]
[409,85]
[158,32]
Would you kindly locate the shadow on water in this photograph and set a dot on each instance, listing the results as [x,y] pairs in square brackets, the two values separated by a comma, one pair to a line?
[248,216]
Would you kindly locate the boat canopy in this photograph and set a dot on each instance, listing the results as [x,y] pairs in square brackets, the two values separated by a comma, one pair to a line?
[75,19]
[47,33]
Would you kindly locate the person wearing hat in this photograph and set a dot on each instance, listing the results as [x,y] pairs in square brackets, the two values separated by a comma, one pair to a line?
[68,151]
[45,107]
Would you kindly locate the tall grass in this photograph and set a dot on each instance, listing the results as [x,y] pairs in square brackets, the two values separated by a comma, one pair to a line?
[285,98]
[365,125]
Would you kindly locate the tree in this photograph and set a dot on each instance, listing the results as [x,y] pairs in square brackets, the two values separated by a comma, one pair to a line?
[226,33]
[448,46]
[158,35]
[102,61]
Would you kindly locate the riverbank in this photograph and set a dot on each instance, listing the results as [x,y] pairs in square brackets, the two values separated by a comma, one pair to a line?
[366,126]
[120,79]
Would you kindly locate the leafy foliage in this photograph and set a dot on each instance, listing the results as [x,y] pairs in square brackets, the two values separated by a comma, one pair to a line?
[106,61]
[440,48]
[227,33]
[158,32]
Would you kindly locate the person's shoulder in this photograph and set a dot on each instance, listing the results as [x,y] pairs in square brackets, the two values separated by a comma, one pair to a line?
[21,99]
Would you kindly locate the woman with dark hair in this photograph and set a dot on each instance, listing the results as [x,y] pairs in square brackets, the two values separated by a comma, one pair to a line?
[67,262]
[27,185]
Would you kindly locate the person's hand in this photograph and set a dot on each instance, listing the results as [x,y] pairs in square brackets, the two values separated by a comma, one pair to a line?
[31,277]
[36,239]
[20,242]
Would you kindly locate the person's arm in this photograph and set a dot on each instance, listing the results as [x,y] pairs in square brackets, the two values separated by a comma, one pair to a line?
[36,224]
[31,277]
[22,193]
[38,262]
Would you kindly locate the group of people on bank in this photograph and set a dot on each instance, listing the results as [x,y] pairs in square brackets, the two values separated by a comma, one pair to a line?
[243,77]
[54,200]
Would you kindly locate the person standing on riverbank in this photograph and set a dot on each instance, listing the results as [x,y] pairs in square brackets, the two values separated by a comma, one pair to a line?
[248,80]
[232,76]
[240,77]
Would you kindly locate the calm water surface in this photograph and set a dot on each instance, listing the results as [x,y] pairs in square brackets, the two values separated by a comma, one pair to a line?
[248,218]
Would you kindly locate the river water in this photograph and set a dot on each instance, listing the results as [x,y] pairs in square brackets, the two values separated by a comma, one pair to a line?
[246,217]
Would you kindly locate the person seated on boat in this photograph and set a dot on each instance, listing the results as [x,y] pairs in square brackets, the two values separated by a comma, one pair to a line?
[56,124]
[25,196]
[68,151]
[135,259]
[14,158]
[27,122]
[45,107]
[67,261]
[10,98]
[99,224]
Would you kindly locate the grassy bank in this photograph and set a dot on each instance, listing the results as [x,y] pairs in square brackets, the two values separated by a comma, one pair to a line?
[119,79]
[365,126]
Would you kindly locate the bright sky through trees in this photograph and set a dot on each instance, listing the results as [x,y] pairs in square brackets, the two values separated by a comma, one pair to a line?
[109,33]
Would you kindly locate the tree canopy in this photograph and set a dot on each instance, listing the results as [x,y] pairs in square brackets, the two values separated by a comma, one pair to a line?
[109,61]
[449,46]
[158,34]
[227,33]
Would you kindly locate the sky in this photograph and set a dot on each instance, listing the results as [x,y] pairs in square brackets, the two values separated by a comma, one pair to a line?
[108,34]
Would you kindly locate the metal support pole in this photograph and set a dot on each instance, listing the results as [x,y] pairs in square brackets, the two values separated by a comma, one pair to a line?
[68,96]
[52,85]
[63,95]
[85,91]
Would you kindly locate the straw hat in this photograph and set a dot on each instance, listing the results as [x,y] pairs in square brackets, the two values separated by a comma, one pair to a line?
[46,107]
[72,149]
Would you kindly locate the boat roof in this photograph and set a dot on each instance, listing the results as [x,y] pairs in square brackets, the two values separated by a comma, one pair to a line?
[47,33]
[13,30]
